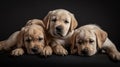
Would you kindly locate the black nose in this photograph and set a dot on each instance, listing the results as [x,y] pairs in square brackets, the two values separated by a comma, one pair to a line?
[35,49]
[85,51]
[59,28]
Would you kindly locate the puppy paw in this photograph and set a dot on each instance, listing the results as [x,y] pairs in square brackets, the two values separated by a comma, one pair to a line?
[47,51]
[115,56]
[17,52]
[60,50]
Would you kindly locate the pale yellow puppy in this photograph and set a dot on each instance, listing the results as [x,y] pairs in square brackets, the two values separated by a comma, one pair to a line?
[60,25]
[88,39]
[30,38]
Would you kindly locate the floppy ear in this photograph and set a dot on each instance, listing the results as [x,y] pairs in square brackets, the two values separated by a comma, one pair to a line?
[73,42]
[74,22]
[20,38]
[46,20]
[101,36]
[35,21]
[28,23]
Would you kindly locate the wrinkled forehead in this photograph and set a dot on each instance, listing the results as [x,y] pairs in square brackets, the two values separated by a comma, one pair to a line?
[34,32]
[86,34]
[61,14]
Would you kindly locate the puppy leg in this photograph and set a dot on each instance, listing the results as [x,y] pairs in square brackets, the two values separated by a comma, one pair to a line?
[60,50]
[47,51]
[10,42]
[17,52]
[111,50]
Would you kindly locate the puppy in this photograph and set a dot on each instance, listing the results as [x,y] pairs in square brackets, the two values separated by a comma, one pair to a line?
[60,25]
[88,39]
[30,38]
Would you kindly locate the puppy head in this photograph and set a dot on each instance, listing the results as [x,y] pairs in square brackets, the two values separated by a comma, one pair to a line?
[35,21]
[60,22]
[87,39]
[32,38]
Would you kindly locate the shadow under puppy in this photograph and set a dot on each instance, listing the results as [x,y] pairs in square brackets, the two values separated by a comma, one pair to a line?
[88,39]
[30,38]
[60,25]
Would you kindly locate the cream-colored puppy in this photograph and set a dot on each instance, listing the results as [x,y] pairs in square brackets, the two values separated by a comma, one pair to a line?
[60,25]
[88,39]
[30,38]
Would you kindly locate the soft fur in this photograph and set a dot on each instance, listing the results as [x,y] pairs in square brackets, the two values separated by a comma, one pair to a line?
[60,25]
[88,39]
[30,38]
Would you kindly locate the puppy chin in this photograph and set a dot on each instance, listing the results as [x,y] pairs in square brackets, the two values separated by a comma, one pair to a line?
[34,52]
[57,34]
[31,52]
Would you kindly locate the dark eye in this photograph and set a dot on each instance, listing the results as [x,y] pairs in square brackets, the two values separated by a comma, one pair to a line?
[80,42]
[40,39]
[66,21]
[28,40]
[54,20]
[91,41]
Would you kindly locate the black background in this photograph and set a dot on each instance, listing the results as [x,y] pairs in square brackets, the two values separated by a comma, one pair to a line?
[15,13]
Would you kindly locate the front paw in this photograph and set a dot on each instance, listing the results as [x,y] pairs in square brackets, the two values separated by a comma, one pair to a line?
[115,56]
[47,51]
[17,52]
[60,50]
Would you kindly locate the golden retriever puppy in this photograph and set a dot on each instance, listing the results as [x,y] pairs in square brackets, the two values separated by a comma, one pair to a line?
[88,39]
[30,38]
[60,25]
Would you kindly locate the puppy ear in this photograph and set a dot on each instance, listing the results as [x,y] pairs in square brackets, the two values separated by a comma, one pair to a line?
[101,36]
[35,21]
[73,41]
[74,22]
[29,22]
[46,20]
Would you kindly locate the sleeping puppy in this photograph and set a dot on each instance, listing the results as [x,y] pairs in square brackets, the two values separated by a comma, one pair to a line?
[88,39]
[47,50]
[30,38]
[60,25]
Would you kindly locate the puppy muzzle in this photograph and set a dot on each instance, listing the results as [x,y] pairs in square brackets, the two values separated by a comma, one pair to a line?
[85,52]
[59,31]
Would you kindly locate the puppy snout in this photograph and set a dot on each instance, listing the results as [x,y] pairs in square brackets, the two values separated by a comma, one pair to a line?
[85,51]
[35,49]
[59,28]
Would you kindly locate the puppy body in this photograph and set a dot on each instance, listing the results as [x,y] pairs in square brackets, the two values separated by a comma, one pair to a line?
[88,39]
[10,42]
[60,25]
[31,38]
[59,45]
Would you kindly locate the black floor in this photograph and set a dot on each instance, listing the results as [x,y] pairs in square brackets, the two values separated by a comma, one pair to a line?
[54,60]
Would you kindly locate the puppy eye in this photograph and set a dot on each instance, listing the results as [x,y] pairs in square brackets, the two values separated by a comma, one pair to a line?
[54,20]
[91,41]
[28,40]
[80,42]
[40,39]
[66,21]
